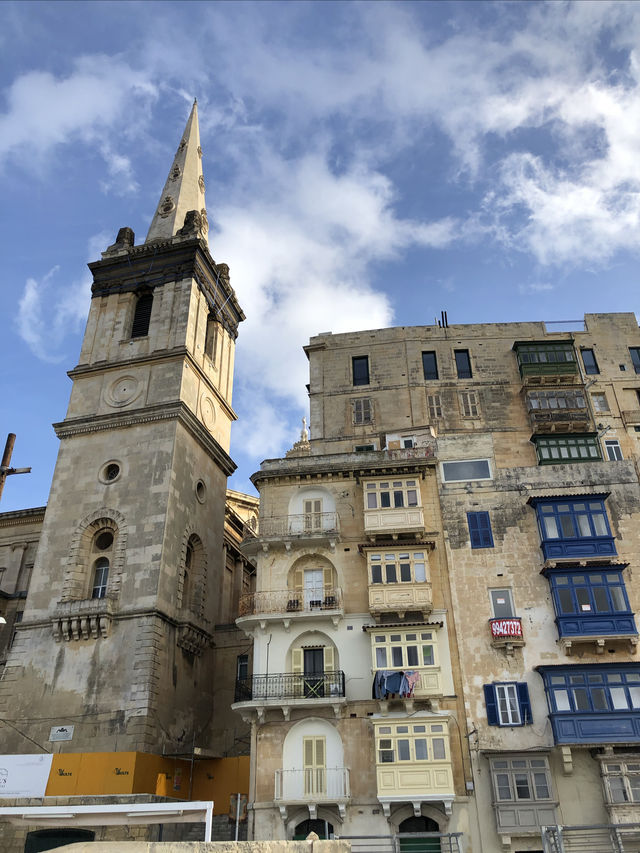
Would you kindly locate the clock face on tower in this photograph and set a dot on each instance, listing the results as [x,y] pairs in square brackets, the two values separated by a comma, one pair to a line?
[207,412]
[122,391]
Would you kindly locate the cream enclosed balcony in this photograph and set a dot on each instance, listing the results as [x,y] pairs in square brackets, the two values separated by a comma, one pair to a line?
[287,605]
[413,762]
[392,507]
[400,598]
[320,529]
[313,786]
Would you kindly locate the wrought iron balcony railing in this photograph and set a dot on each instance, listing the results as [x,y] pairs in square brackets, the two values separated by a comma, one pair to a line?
[291,601]
[305,524]
[312,783]
[290,685]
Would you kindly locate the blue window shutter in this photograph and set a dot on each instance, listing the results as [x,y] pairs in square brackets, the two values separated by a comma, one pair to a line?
[480,529]
[524,702]
[492,704]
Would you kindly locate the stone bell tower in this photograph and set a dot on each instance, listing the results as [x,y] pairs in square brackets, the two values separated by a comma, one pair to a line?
[116,638]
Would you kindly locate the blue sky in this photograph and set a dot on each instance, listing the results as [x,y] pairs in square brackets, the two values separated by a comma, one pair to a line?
[367,164]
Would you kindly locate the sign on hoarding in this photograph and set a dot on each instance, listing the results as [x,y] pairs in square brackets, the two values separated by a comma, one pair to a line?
[24,775]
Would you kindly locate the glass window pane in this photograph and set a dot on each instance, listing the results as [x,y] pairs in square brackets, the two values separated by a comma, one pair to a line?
[398,498]
[372,500]
[523,791]
[565,601]
[566,525]
[562,700]
[599,699]
[396,654]
[405,572]
[617,597]
[618,790]
[420,572]
[601,599]
[376,574]
[412,656]
[584,602]
[427,656]
[404,754]
[583,525]
[541,786]
[581,699]
[600,524]
[391,573]
[551,527]
[421,749]
[439,750]
[618,698]
[381,658]
[503,784]
[634,693]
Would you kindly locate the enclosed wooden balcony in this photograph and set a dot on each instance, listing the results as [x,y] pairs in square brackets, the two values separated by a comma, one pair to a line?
[400,598]
[546,362]
[394,520]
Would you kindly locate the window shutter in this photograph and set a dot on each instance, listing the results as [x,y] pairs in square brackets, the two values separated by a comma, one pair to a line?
[307,746]
[296,661]
[142,316]
[320,756]
[298,580]
[327,578]
[491,704]
[524,702]
[329,659]
[480,529]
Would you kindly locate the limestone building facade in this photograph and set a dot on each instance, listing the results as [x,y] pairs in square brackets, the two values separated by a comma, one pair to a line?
[446,584]
[120,595]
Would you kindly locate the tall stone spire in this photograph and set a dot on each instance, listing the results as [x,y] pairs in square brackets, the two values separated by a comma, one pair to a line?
[183,192]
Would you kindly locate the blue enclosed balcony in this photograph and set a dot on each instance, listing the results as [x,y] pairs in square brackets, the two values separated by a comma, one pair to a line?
[592,606]
[574,526]
[593,704]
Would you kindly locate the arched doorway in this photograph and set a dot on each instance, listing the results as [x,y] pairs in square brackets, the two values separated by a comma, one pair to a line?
[419,845]
[49,839]
[322,828]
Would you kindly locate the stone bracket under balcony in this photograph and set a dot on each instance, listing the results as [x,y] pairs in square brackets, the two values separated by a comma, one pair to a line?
[440,799]
[599,643]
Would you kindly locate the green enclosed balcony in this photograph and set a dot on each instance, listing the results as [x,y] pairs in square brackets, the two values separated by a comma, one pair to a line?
[545,361]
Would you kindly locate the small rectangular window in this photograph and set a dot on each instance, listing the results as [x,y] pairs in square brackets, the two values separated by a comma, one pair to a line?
[508,704]
[635,358]
[360,369]
[435,406]
[429,365]
[142,316]
[480,530]
[613,449]
[468,404]
[364,448]
[600,403]
[589,361]
[362,411]
[502,604]
[242,667]
[468,469]
[463,363]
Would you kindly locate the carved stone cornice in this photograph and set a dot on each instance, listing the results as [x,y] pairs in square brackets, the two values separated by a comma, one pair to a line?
[22,516]
[161,412]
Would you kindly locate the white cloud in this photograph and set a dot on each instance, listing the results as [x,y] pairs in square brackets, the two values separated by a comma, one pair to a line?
[44,111]
[47,315]
[302,251]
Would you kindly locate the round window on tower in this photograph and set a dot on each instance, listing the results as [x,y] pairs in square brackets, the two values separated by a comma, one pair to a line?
[110,472]
[201,491]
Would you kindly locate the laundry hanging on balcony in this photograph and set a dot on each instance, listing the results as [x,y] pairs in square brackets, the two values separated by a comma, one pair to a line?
[393,682]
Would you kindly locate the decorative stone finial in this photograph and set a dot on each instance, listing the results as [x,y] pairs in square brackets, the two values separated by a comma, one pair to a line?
[124,241]
[304,434]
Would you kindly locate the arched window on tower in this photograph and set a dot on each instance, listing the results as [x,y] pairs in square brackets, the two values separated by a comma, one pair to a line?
[191,589]
[142,316]
[211,338]
[101,556]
